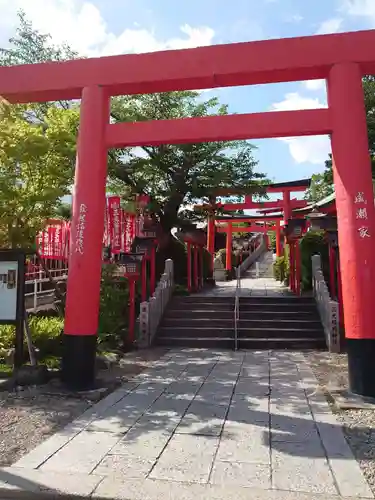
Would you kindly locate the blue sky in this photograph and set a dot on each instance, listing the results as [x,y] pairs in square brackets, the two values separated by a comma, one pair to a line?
[102,27]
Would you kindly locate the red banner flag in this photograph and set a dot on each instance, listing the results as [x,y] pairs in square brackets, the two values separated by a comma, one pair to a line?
[129,231]
[114,223]
[52,242]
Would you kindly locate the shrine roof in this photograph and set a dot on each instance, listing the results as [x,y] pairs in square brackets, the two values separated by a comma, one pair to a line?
[323,203]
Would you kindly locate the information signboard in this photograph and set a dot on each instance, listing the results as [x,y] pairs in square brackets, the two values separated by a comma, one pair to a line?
[8,290]
[12,296]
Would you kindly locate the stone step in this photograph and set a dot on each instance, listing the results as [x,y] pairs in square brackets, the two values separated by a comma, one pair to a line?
[254,343]
[243,331]
[244,322]
[244,306]
[283,299]
[256,314]
[266,322]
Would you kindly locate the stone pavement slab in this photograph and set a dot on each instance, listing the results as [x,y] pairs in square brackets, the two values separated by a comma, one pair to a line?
[248,475]
[157,490]
[208,425]
[203,419]
[187,458]
[245,443]
[82,453]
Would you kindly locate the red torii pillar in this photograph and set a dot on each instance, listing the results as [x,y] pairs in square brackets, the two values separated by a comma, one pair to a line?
[85,263]
[211,237]
[228,247]
[278,239]
[356,220]
[189,266]
[266,238]
[196,267]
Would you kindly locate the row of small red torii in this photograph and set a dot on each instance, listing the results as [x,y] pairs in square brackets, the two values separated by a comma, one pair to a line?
[341,59]
[228,225]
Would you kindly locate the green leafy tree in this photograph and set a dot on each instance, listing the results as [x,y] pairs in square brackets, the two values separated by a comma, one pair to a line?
[36,169]
[63,211]
[321,184]
[176,175]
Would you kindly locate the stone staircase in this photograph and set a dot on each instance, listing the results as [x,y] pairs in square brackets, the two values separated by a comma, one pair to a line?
[279,322]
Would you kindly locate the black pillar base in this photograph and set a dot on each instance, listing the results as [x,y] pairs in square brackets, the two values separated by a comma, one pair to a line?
[78,362]
[361,366]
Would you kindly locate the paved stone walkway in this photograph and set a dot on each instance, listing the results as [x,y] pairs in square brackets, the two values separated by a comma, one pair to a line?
[200,425]
[258,280]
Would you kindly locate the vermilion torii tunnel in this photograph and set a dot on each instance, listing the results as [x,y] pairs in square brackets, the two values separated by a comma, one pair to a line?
[286,204]
[342,59]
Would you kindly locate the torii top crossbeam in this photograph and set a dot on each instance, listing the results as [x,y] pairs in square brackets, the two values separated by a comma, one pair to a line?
[268,61]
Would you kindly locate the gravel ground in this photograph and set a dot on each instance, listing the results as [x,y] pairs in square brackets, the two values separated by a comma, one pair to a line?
[358,425]
[29,416]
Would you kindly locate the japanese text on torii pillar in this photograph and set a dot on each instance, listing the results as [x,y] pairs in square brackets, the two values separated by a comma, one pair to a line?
[361,215]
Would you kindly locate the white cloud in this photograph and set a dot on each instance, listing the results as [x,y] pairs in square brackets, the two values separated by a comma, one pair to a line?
[311,149]
[294,101]
[315,85]
[359,8]
[296,18]
[81,25]
[330,26]
[141,40]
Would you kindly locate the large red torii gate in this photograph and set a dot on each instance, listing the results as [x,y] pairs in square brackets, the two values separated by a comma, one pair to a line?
[342,59]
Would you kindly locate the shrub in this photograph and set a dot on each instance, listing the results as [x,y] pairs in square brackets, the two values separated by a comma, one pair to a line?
[272,239]
[286,264]
[181,290]
[113,312]
[279,269]
[45,334]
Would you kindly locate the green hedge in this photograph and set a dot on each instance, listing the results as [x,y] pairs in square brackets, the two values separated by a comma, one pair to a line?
[281,269]
[272,239]
[45,333]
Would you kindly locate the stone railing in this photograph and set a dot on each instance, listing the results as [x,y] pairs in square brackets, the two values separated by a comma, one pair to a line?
[327,307]
[249,261]
[152,311]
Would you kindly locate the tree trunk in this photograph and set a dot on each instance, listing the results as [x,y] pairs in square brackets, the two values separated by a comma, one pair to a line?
[168,218]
